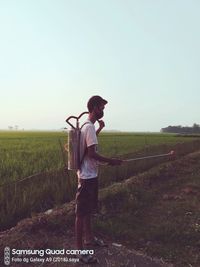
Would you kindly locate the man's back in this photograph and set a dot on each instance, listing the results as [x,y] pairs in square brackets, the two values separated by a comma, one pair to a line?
[89,166]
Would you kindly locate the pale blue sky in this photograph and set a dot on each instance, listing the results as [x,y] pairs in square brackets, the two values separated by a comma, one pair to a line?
[141,55]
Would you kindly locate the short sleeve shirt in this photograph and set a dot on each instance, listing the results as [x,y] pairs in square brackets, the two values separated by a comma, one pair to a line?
[89,166]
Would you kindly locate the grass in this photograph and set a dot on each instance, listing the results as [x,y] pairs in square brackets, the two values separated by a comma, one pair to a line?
[157,212]
[27,153]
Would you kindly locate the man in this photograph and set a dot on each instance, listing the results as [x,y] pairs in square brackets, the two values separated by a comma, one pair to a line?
[87,192]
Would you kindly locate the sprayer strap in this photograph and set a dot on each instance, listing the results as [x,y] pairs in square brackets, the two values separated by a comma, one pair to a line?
[81,161]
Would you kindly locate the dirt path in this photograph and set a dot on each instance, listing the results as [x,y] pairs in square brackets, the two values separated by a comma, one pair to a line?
[115,255]
[55,231]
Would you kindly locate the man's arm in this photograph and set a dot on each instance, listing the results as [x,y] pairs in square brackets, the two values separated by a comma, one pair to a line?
[93,154]
[101,126]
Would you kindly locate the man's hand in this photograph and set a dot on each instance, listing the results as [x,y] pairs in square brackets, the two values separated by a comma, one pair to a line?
[101,126]
[91,151]
[114,162]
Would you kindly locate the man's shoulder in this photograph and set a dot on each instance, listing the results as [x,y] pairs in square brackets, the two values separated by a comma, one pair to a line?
[87,125]
[88,133]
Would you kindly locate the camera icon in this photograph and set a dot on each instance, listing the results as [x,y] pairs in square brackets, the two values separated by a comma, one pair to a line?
[7,256]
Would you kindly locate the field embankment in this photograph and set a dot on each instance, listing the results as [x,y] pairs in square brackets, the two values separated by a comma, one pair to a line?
[155,212]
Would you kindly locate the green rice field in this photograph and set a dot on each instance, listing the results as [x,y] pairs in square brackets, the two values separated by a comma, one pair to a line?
[26,153]
[38,156]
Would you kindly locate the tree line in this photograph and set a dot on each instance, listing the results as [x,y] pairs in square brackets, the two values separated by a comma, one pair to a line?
[195,129]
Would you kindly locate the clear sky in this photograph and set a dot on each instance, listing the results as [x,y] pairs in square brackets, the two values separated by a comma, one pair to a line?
[141,55]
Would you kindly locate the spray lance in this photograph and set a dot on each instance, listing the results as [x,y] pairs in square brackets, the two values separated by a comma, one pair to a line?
[171,153]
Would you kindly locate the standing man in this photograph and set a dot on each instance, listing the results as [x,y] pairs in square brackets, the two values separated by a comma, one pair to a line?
[87,192]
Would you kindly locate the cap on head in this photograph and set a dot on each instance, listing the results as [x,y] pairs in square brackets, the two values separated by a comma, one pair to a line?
[95,100]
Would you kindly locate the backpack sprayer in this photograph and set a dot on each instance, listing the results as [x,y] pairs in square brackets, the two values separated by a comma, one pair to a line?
[74,160]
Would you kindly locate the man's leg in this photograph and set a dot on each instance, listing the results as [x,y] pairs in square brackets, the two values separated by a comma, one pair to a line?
[79,231]
[89,236]
[92,208]
[85,258]
[90,239]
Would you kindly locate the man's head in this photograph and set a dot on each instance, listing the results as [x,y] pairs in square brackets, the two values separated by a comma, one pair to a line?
[96,104]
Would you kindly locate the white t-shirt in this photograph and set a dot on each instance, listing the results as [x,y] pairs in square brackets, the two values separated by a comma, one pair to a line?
[89,166]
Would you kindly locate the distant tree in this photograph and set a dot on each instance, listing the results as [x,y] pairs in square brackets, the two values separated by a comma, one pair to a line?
[195,129]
